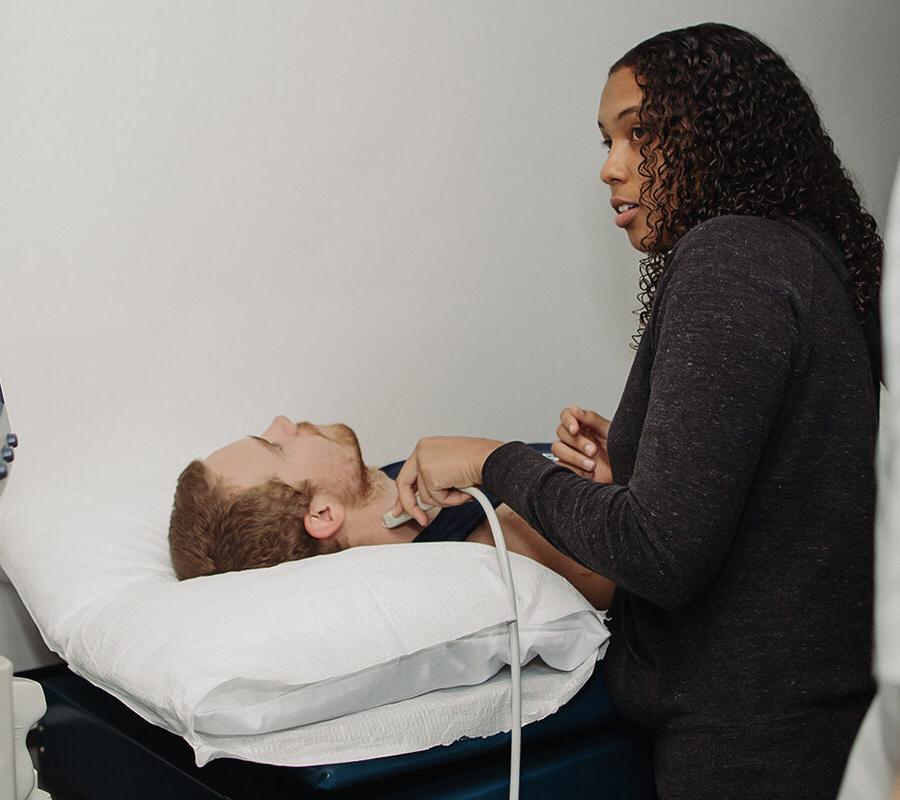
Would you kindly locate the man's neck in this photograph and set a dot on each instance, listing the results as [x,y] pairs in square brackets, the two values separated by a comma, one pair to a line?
[363,525]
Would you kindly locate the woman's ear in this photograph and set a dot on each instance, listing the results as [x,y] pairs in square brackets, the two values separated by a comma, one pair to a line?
[325,517]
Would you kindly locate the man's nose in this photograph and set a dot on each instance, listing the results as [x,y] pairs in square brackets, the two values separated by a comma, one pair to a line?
[282,425]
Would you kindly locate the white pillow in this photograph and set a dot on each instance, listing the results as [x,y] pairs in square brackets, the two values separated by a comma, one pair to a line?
[265,650]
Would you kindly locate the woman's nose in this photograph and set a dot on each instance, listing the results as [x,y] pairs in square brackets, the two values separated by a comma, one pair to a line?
[614,168]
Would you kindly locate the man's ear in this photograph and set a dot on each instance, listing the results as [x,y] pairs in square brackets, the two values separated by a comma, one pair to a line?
[325,517]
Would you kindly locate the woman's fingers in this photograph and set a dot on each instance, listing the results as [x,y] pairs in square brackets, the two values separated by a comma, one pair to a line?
[573,459]
[568,419]
[585,444]
[588,425]
[581,447]
[597,423]
[406,482]
[454,497]
[426,496]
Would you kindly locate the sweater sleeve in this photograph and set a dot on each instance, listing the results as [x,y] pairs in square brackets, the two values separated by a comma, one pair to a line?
[727,331]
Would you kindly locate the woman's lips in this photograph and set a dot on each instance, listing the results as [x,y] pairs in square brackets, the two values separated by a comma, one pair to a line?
[624,219]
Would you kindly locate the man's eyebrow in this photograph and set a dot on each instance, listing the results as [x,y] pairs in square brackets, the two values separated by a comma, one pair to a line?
[624,112]
[315,431]
[275,448]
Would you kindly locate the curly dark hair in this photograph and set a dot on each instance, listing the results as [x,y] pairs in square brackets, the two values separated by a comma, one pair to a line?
[732,130]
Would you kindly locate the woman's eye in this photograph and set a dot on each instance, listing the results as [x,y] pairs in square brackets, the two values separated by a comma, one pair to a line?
[636,133]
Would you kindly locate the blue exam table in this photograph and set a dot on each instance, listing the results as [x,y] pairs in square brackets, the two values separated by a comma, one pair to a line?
[91,747]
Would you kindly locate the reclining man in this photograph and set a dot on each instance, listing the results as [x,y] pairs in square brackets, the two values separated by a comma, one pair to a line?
[301,490]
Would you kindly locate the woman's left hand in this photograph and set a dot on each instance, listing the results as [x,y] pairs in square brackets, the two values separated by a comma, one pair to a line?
[436,469]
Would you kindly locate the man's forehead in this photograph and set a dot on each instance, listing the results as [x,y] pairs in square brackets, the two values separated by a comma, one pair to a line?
[271,447]
[243,462]
[241,447]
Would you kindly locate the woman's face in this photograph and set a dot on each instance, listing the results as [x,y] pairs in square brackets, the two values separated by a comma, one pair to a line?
[622,134]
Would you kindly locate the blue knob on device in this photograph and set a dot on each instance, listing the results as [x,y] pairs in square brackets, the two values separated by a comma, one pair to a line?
[12,440]
[7,454]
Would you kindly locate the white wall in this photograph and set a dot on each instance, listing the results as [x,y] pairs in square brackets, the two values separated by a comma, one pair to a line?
[386,213]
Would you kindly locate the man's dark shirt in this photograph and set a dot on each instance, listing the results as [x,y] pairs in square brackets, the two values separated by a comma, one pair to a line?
[454,524]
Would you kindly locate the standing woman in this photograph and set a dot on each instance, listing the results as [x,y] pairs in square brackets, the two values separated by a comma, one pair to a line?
[731,497]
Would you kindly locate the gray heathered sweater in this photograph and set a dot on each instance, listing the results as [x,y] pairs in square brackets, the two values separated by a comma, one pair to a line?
[738,528]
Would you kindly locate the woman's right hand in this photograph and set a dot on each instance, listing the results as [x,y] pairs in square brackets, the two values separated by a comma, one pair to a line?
[581,444]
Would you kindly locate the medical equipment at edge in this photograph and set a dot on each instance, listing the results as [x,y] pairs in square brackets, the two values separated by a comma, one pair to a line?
[515,657]
[8,442]
[22,701]
[22,704]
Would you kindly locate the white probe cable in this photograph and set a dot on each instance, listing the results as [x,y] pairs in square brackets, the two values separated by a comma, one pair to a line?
[515,658]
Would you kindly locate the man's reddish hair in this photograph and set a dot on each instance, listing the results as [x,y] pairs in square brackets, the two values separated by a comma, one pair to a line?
[213,531]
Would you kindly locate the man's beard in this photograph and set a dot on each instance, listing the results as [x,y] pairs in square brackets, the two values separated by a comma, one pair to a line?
[358,486]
